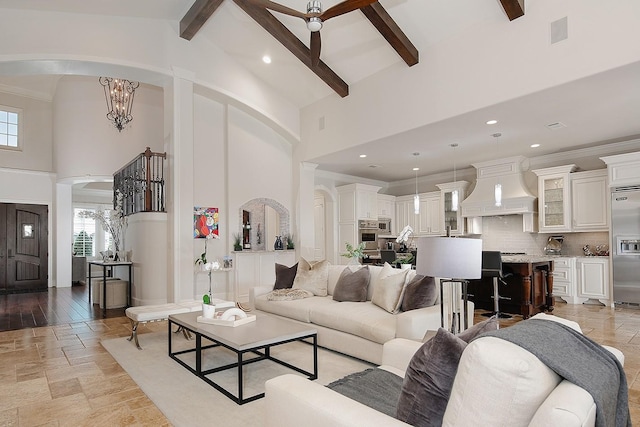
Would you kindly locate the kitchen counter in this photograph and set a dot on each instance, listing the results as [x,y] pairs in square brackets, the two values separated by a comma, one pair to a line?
[527,288]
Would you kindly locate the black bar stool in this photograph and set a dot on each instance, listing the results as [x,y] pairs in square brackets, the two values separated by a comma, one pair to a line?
[492,267]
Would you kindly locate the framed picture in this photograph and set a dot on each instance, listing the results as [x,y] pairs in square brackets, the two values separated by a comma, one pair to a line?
[205,223]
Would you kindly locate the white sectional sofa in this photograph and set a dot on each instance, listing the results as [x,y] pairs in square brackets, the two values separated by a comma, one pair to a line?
[359,329]
[496,383]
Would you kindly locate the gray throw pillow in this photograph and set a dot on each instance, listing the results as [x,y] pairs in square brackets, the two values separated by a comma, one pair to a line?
[491,324]
[428,381]
[420,292]
[352,285]
[285,276]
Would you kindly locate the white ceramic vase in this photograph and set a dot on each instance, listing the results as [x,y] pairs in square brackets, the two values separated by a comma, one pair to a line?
[208,311]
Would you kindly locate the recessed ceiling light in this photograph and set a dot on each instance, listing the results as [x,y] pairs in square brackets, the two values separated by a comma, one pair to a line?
[362,156]
[415,169]
[535,145]
[492,122]
[266,59]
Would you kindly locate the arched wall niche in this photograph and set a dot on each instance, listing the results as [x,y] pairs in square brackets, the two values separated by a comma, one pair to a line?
[267,217]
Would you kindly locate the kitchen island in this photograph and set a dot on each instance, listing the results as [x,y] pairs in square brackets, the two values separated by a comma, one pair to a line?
[528,287]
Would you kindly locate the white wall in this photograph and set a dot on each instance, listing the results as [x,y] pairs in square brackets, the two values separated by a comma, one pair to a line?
[86,143]
[36,138]
[144,49]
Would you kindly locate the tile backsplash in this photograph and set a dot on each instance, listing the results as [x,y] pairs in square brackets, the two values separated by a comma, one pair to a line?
[504,233]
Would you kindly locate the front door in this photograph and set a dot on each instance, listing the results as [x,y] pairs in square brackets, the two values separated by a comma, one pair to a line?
[23,248]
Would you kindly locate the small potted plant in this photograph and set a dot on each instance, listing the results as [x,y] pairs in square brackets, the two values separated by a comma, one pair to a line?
[290,243]
[406,261]
[237,242]
[354,253]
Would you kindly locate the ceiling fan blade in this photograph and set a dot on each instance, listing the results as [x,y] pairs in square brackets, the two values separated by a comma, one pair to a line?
[315,48]
[278,8]
[345,7]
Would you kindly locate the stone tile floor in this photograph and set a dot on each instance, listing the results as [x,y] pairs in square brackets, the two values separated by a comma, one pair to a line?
[61,376]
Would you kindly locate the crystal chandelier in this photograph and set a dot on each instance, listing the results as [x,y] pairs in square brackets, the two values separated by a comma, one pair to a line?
[119,96]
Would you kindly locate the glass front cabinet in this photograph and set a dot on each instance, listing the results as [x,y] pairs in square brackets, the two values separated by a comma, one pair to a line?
[450,206]
[554,198]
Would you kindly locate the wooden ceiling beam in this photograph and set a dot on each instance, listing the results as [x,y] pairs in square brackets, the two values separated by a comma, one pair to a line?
[274,27]
[194,19]
[390,30]
[513,8]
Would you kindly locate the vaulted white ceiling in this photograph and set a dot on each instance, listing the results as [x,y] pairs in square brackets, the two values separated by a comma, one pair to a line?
[596,109]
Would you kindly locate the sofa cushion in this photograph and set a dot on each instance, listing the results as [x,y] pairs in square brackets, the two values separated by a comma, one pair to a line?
[285,276]
[429,379]
[419,292]
[312,277]
[362,319]
[388,292]
[298,309]
[494,373]
[335,271]
[288,294]
[352,285]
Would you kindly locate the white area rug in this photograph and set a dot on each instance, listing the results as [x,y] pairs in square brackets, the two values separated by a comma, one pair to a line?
[186,400]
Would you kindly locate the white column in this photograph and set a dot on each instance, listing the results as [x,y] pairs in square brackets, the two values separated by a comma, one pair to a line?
[64,235]
[305,207]
[179,121]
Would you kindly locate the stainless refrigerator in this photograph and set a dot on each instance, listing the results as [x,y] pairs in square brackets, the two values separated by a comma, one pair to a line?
[625,238]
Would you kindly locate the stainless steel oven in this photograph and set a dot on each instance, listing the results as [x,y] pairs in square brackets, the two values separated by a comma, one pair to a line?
[368,234]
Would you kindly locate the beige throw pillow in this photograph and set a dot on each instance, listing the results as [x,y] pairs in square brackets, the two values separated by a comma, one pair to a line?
[387,293]
[312,277]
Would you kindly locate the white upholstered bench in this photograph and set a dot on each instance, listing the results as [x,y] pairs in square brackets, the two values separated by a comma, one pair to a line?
[153,313]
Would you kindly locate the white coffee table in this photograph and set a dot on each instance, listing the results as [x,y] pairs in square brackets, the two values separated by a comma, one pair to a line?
[256,337]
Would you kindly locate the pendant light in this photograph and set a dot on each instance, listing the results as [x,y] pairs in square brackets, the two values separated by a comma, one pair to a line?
[454,194]
[497,191]
[416,198]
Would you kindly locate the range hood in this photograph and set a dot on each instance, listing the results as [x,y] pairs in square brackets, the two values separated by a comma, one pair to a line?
[516,198]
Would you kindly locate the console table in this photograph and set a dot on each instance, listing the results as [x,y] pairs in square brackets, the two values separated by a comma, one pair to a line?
[108,266]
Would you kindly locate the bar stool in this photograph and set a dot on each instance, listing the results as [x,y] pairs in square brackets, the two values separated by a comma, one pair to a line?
[492,267]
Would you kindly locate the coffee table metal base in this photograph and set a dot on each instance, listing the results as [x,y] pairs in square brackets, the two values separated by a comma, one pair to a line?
[262,353]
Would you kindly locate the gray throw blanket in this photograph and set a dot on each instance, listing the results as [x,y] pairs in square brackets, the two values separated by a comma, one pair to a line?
[579,360]
[375,388]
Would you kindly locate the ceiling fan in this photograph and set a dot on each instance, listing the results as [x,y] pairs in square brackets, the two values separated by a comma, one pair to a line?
[314,17]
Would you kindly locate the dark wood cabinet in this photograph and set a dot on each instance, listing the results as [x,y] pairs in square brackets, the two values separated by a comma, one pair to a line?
[528,289]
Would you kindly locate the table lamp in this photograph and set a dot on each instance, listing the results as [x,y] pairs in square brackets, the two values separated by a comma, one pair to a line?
[453,260]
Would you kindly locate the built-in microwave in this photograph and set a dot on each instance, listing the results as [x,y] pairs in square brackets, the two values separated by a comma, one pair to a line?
[384,226]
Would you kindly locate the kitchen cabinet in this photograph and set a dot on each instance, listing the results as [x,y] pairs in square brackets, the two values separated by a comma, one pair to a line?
[405,214]
[589,201]
[593,278]
[430,218]
[564,279]
[357,201]
[452,219]
[554,198]
[387,209]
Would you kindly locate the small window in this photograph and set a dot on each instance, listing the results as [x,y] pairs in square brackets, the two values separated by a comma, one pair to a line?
[10,124]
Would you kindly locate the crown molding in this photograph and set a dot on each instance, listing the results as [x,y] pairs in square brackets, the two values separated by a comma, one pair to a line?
[27,93]
[595,151]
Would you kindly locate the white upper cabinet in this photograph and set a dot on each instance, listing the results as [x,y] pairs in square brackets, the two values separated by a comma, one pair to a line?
[386,206]
[589,196]
[572,201]
[430,217]
[405,214]
[554,198]
[451,218]
[357,201]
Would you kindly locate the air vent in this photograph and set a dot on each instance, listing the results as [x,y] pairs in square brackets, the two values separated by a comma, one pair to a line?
[556,125]
[559,30]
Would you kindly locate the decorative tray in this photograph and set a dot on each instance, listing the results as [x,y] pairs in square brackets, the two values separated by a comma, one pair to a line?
[230,322]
